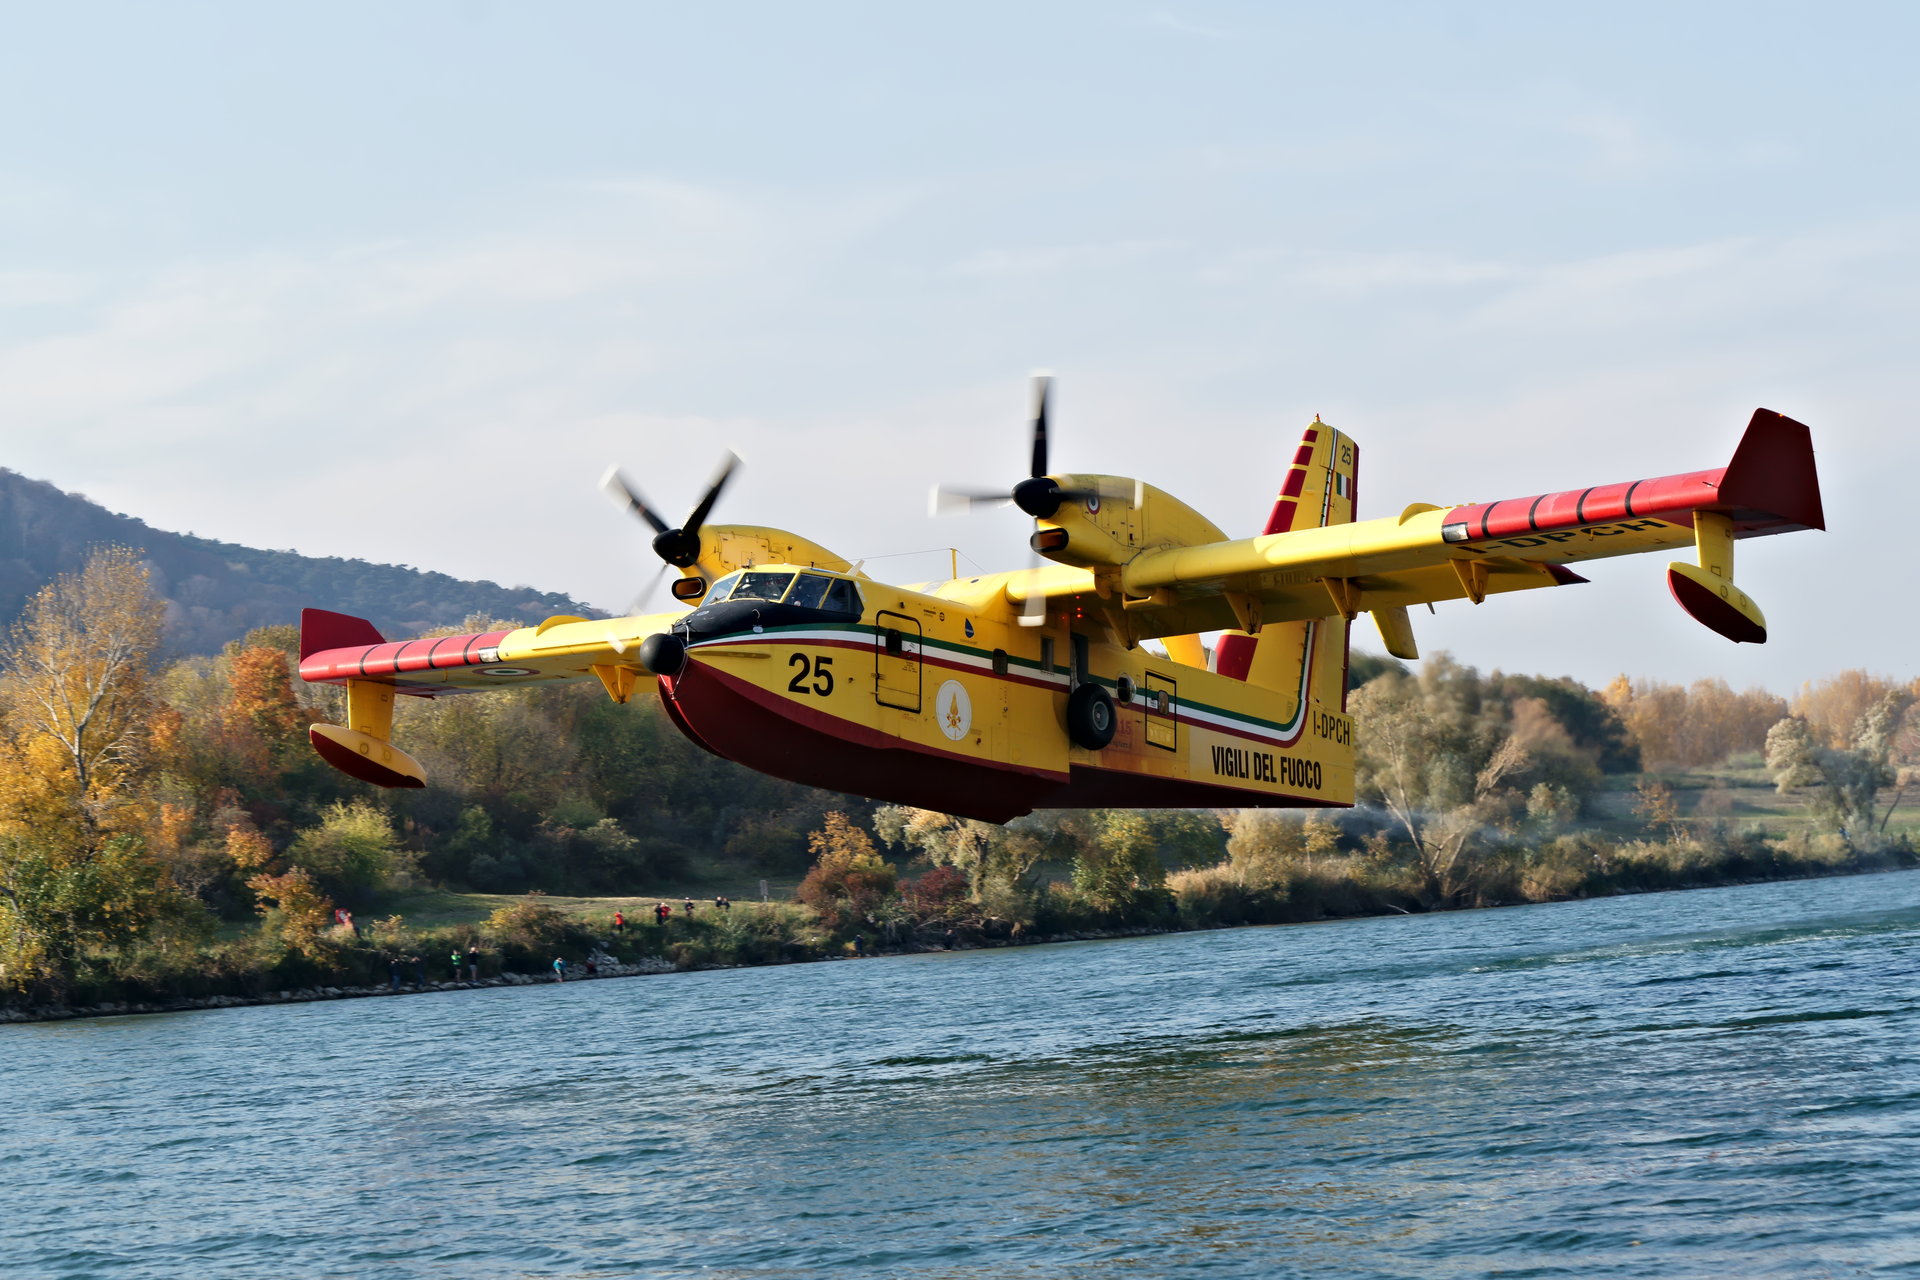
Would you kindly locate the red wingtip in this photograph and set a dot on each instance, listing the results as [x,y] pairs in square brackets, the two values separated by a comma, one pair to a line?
[1772,471]
[321,629]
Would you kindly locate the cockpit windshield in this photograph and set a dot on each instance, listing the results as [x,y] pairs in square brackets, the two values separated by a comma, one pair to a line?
[806,590]
[809,589]
[750,586]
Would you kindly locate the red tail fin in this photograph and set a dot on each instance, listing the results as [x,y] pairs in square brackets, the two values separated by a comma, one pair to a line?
[1772,473]
[321,630]
[1318,491]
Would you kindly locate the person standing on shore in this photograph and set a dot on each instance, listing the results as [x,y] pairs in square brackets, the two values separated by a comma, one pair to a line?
[689,908]
[620,922]
[660,913]
[473,962]
[559,968]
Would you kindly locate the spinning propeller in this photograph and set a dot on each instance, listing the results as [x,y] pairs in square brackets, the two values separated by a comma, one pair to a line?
[677,547]
[1039,495]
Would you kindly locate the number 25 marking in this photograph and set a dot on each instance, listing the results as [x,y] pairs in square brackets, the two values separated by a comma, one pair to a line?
[820,669]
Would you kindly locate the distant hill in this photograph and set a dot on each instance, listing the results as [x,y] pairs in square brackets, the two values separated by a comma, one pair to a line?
[219,591]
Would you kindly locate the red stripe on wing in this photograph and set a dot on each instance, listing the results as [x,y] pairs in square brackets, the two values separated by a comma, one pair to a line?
[397,658]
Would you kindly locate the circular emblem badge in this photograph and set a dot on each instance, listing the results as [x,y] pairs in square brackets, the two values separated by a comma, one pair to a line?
[1093,504]
[953,709]
[508,671]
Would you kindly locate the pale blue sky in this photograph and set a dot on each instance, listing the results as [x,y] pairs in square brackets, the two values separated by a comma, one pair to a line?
[399,281]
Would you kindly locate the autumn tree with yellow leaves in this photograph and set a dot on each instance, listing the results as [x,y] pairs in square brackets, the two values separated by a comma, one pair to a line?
[262,723]
[849,877]
[77,727]
[1693,726]
[1834,706]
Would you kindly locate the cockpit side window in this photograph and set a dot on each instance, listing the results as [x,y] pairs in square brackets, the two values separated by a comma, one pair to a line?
[723,588]
[808,589]
[761,586]
[841,597]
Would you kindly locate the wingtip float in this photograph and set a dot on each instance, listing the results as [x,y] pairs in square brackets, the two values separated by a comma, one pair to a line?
[998,694]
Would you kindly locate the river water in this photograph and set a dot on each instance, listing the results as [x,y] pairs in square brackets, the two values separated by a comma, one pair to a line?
[1717,1083]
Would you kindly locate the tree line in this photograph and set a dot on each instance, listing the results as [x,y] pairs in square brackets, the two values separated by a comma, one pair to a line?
[168,817]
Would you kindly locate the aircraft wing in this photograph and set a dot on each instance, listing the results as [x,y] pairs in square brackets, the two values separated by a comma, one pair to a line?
[336,648]
[1428,554]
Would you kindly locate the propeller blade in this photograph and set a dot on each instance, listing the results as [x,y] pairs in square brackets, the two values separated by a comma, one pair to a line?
[1033,609]
[639,603]
[676,547]
[952,502]
[624,494]
[1042,392]
[704,508]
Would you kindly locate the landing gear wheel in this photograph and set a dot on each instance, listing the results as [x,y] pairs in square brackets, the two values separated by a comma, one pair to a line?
[1091,718]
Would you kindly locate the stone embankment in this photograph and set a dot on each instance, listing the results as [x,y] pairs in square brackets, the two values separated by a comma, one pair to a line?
[605,967]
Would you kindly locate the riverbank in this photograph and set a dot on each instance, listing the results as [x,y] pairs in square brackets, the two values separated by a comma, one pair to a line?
[282,960]
[604,966]
[609,968]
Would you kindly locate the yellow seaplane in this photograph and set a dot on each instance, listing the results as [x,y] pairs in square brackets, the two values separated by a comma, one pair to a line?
[1083,682]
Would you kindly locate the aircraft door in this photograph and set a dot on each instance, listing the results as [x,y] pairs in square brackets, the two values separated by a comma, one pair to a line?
[1160,704]
[896,661]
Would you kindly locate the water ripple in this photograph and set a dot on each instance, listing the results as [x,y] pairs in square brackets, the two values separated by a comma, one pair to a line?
[1598,1089]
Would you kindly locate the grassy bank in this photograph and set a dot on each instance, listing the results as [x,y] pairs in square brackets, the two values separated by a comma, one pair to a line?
[415,937]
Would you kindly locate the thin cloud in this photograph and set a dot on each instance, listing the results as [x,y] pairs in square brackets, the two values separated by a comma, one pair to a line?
[1046,259]
[1162,20]
[1617,147]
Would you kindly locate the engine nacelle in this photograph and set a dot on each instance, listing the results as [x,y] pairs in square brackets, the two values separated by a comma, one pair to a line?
[1108,531]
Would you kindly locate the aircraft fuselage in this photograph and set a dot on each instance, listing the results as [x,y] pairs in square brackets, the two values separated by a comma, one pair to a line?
[925,697]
